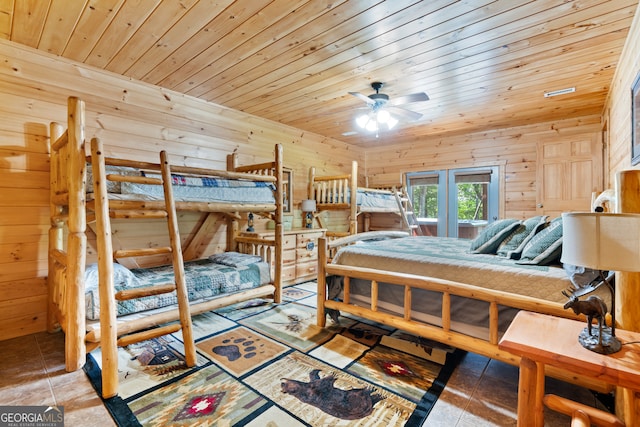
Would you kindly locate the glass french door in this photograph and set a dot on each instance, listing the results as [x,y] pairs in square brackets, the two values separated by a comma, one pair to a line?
[455,202]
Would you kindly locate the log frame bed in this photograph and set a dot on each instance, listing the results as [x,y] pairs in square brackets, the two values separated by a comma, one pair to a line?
[70,212]
[340,192]
[448,289]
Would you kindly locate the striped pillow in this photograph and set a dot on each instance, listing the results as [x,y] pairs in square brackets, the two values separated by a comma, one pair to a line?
[489,239]
[545,247]
[514,244]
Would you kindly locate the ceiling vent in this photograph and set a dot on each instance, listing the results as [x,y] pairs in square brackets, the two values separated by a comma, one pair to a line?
[559,92]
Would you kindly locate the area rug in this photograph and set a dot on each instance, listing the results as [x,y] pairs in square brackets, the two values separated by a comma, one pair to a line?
[265,364]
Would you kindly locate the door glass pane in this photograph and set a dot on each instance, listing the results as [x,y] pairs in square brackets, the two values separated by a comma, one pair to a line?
[454,202]
[472,208]
[425,205]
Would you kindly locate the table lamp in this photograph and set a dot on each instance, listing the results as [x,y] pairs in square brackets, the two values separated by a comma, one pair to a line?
[308,206]
[604,242]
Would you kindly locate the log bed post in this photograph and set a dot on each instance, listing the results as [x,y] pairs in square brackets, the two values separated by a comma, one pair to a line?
[353,202]
[56,239]
[321,319]
[627,283]
[75,351]
[279,229]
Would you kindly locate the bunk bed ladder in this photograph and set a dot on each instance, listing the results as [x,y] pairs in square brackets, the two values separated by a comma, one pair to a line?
[110,338]
[409,221]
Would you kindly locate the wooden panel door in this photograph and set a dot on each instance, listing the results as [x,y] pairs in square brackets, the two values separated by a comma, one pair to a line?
[570,169]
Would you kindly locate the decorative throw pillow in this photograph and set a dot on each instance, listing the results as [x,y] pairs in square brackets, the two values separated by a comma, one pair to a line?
[545,247]
[488,240]
[512,246]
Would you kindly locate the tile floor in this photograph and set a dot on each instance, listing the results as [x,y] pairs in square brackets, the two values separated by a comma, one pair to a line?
[481,392]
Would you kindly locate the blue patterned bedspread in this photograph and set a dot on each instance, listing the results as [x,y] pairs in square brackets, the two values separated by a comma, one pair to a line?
[205,279]
[189,188]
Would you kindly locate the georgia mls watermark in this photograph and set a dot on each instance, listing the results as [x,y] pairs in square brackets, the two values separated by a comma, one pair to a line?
[31,416]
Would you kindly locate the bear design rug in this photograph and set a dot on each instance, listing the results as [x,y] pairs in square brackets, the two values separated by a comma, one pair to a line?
[265,364]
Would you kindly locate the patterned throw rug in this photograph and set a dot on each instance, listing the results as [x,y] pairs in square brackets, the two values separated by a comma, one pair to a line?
[262,364]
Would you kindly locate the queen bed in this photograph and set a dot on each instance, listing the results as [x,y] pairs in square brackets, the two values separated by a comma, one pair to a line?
[456,291]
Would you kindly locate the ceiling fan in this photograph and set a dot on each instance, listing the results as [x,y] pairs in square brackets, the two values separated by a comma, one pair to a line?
[385,111]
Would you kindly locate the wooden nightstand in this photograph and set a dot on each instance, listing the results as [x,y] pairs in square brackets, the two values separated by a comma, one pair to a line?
[541,340]
[299,253]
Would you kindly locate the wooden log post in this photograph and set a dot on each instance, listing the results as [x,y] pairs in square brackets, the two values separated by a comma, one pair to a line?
[279,229]
[56,231]
[627,286]
[75,351]
[353,202]
[108,326]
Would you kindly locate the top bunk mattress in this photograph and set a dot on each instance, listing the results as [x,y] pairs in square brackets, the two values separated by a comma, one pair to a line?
[187,188]
[367,200]
[376,201]
[449,259]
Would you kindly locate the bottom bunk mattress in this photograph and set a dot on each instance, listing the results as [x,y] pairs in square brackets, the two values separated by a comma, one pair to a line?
[208,278]
[449,259]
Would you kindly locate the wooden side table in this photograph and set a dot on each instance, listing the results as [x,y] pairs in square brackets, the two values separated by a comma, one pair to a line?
[541,340]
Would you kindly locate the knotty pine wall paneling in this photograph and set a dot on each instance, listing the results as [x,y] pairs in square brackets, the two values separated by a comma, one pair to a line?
[618,105]
[513,149]
[135,120]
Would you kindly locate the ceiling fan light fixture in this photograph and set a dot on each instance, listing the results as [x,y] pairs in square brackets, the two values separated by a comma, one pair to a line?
[372,126]
[383,116]
[391,123]
[362,120]
[383,112]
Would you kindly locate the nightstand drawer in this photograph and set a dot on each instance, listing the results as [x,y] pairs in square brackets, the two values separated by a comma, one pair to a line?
[289,241]
[289,273]
[289,256]
[303,255]
[303,239]
[306,270]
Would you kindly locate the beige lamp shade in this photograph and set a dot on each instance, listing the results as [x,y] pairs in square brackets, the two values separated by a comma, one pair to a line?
[308,205]
[602,241]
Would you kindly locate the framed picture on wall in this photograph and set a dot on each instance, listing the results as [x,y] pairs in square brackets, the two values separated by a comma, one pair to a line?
[635,121]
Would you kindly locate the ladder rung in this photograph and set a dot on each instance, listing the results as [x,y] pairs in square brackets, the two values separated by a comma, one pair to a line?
[146,291]
[134,179]
[148,334]
[134,214]
[127,253]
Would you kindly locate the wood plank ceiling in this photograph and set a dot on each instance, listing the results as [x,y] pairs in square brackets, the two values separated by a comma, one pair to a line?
[484,63]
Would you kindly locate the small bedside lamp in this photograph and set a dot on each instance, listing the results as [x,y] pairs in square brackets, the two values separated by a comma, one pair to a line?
[250,223]
[605,242]
[309,207]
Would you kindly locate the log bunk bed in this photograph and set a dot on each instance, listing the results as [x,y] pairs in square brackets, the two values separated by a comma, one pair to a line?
[251,267]
[342,193]
[430,289]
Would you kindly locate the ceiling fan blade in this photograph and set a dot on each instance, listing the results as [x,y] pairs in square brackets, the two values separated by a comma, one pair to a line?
[364,98]
[404,114]
[406,99]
